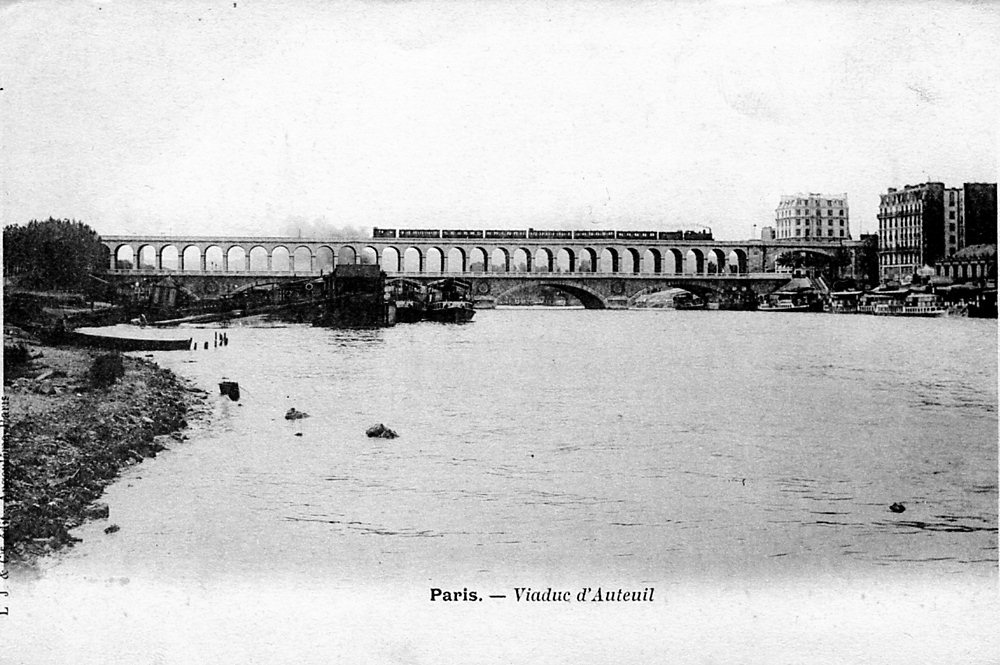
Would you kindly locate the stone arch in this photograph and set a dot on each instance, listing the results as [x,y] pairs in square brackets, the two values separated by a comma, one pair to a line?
[694,262]
[146,259]
[652,261]
[499,260]
[587,260]
[632,261]
[795,255]
[479,260]
[565,260]
[191,258]
[259,259]
[302,259]
[347,256]
[236,259]
[170,257]
[281,259]
[544,261]
[214,259]
[609,262]
[674,263]
[391,260]
[589,298]
[456,260]
[521,260]
[368,256]
[737,261]
[124,257]
[325,258]
[715,261]
[413,260]
[434,261]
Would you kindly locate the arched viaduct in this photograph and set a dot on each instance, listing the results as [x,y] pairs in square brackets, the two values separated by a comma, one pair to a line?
[599,272]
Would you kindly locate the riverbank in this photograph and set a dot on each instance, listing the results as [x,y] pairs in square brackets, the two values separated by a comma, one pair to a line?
[66,439]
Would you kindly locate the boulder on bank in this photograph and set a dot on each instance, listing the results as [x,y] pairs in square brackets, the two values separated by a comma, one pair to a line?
[292,414]
[380,431]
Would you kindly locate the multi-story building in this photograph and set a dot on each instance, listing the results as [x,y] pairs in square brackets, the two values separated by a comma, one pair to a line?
[979,214]
[922,224]
[813,216]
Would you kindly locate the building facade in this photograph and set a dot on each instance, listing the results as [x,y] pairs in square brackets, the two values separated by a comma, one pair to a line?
[979,214]
[812,216]
[920,225]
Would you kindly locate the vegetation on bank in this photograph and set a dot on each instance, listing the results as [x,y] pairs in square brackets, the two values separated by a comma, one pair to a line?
[55,254]
[74,419]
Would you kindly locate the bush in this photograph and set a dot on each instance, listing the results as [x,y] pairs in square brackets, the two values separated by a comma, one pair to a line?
[106,370]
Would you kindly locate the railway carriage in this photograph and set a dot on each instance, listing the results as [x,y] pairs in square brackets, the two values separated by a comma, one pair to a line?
[506,234]
[635,235]
[462,233]
[419,233]
[593,235]
[541,234]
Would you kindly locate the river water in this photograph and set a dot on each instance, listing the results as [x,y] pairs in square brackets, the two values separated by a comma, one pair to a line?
[741,464]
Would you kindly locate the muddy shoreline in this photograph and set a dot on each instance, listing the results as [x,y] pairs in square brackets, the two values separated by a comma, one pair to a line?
[66,440]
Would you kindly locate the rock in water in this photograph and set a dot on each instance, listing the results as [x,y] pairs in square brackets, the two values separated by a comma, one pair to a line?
[97,511]
[230,389]
[897,507]
[380,431]
[292,414]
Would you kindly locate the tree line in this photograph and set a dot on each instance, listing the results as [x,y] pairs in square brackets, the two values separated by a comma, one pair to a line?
[54,254]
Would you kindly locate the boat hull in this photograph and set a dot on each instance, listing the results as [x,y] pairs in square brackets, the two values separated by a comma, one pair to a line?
[408,313]
[128,343]
[794,308]
[451,313]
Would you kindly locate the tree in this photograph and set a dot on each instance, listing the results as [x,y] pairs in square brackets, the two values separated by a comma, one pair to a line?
[53,254]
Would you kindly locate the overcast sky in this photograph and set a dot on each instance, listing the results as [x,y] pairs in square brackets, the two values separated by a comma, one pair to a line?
[205,118]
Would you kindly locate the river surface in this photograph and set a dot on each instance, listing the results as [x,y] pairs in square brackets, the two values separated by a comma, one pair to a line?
[741,464]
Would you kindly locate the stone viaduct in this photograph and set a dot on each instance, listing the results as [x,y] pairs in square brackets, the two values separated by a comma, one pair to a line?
[601,273]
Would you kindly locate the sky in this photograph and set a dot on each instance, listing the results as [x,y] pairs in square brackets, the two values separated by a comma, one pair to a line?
[286,118]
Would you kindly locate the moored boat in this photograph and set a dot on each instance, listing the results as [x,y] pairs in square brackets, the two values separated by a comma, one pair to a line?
[845,302]
[118,342]
[798,300]
[410,298]
[903,303]
[917,304]
[448,301]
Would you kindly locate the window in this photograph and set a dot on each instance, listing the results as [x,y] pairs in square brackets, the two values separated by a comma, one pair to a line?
[830,232]
[951,214]
[841,222]
[841,233]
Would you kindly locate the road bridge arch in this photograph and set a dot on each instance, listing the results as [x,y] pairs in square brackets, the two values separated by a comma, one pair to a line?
[589,298]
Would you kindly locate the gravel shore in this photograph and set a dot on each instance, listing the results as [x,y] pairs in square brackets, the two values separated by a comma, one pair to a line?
[65,440]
